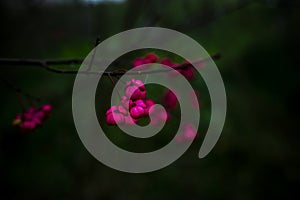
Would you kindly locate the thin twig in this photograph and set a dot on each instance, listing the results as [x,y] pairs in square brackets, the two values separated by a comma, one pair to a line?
[45,64]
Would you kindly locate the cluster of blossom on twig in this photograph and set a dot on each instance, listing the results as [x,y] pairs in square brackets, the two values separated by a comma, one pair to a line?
[134,104]
[29,120]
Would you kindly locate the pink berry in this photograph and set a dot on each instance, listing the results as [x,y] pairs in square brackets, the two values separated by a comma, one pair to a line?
[28,126]
[149,58]
[136,112]
[194,100]
[129,120]
[168,62]
[114,118]
[149,103]
[47,108]
[140,103]
[135,89]
[126,102]
[152,58]
[188,72]
[112,109]
[170,100]
[138,62]
[189,133]
[122,110]
[37,121]
[159,116]
[133,92]
[115,115]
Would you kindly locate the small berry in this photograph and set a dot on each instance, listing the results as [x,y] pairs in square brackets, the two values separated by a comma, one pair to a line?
[170,99]
[136,112]
[115,115]
[135,89]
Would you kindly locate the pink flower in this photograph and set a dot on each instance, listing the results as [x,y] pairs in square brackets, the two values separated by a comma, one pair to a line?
[37,121]
[47,108]
[194,100]
[149,103]
[188,72]
[41,114]
[168,62]
[159,116]
[137,112]
[126,102]
[118,115]
[149,58]
[170,100]
[188,134]
[135,89]
[137,83]
[129,120]
[138,62]
[28,126]
[139,103]
[32,118]
[115,115]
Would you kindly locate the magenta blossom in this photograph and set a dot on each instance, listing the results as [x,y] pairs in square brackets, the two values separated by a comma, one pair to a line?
[137,112]
[188,72]
[168,62]
[149,58]
[138,62]
[126,102]
[32,118]
[135,89]
[170,100]
[140,108]
[115,115]
[149,103]
[119,115]
[194,100]
[188,134]
[28,126]
[132,107]
[159,116]
[47,108]
[139,103]
[128,120]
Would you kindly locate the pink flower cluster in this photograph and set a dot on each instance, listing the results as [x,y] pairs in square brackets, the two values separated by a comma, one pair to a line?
[170,100]
[149,58]
[32,118]
[187,71]
[133,106]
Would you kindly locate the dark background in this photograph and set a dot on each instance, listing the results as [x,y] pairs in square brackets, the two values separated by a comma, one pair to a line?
[257,156]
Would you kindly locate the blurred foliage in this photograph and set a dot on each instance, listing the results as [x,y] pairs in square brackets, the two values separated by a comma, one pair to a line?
[257,156]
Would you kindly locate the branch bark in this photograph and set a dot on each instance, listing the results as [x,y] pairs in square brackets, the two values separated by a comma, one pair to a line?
[46,64]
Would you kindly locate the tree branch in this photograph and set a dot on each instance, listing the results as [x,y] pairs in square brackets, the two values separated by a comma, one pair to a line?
[46,64]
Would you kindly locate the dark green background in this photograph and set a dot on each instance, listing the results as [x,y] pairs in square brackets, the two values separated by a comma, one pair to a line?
[257,156]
